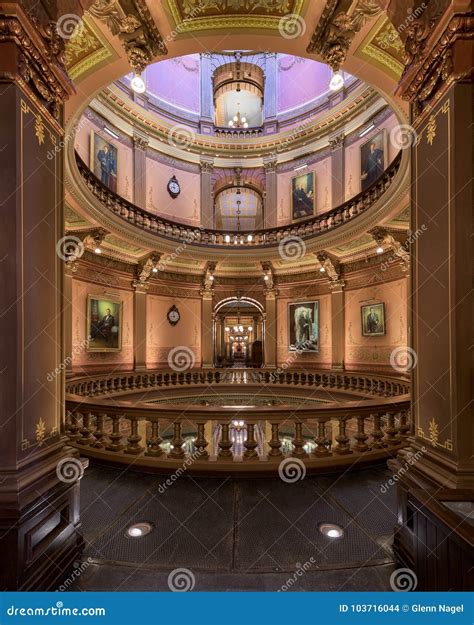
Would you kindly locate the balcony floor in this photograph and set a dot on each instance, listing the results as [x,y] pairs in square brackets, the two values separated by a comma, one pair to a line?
[236,534]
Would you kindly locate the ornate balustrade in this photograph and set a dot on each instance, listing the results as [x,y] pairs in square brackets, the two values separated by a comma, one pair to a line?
[237,133]
[325,436]
[314,226]
[365,384]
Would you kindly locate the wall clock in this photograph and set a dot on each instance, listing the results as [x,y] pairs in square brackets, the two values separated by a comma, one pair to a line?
[173,315]
[173,187]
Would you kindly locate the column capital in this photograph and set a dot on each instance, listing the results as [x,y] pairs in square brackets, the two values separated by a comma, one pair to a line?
[207,165]
[141,141]
[337,286]
[337,141]
[270,163]
[144,271]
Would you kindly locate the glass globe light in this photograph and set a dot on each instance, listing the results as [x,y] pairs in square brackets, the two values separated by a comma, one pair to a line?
[138,84]
[336,82]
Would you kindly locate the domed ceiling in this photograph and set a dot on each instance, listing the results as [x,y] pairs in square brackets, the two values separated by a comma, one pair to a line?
[305,118]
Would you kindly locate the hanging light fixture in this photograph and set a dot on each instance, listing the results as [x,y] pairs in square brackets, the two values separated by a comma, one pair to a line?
[138,84]
[238,121]
[337,81]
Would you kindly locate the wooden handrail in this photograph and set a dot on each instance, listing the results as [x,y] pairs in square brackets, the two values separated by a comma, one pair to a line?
[197,235]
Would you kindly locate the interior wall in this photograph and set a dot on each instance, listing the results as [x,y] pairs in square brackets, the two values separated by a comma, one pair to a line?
[108,361]
[162,336]
[323,183]
[321,359]
[124,154]
[374,351]
[186,208]
[352,183]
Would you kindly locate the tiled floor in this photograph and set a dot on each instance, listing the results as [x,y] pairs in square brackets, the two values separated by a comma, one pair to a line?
[236,534]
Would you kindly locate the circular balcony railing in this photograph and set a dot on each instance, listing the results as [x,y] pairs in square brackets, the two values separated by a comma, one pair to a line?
[238,440]
[151,223]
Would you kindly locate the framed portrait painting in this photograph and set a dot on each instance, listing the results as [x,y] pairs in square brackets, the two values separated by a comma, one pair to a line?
[303,326]
[303,196]
[103,160]
[104,324]
[373,319]
[373,159]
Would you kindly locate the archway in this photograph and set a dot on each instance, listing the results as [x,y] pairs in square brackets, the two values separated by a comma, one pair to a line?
[239,330]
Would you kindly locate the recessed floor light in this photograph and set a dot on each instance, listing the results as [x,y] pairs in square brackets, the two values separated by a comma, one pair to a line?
[331,530]
[138,530]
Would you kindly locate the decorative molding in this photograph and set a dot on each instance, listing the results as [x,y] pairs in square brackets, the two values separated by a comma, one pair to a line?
[337,28]
[207,285]
[40,59]
[144,271]
[431,68]
[132,22]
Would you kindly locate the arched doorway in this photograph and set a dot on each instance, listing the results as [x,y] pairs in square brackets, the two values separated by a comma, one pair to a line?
[238,333]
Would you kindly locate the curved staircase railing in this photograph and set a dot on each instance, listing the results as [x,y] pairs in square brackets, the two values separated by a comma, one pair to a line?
[319,224]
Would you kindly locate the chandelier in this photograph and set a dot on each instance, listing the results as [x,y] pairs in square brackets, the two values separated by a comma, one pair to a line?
[238,121]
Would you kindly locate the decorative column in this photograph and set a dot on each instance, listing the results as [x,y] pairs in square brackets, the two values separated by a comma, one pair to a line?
[140,145]
[438,82]
[207,95]
[337,169]
[70,269]
[207,317]
[337,325]
[207,195]
[145,270]
[271,196]
[270,100]
[270,339]
[39,473]
[332,270]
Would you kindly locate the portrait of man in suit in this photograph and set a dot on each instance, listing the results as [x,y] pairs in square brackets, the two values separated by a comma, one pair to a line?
[104,324]
[303,322]
[373,320]
[372,160]
[104,161]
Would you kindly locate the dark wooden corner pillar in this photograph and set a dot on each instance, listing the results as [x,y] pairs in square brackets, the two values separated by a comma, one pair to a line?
[39,516]
[438,83]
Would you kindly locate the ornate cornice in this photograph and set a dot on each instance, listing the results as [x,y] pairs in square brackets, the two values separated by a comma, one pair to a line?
[132,22]
[337,28]
[39,63]
[431,68]
[319,127]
